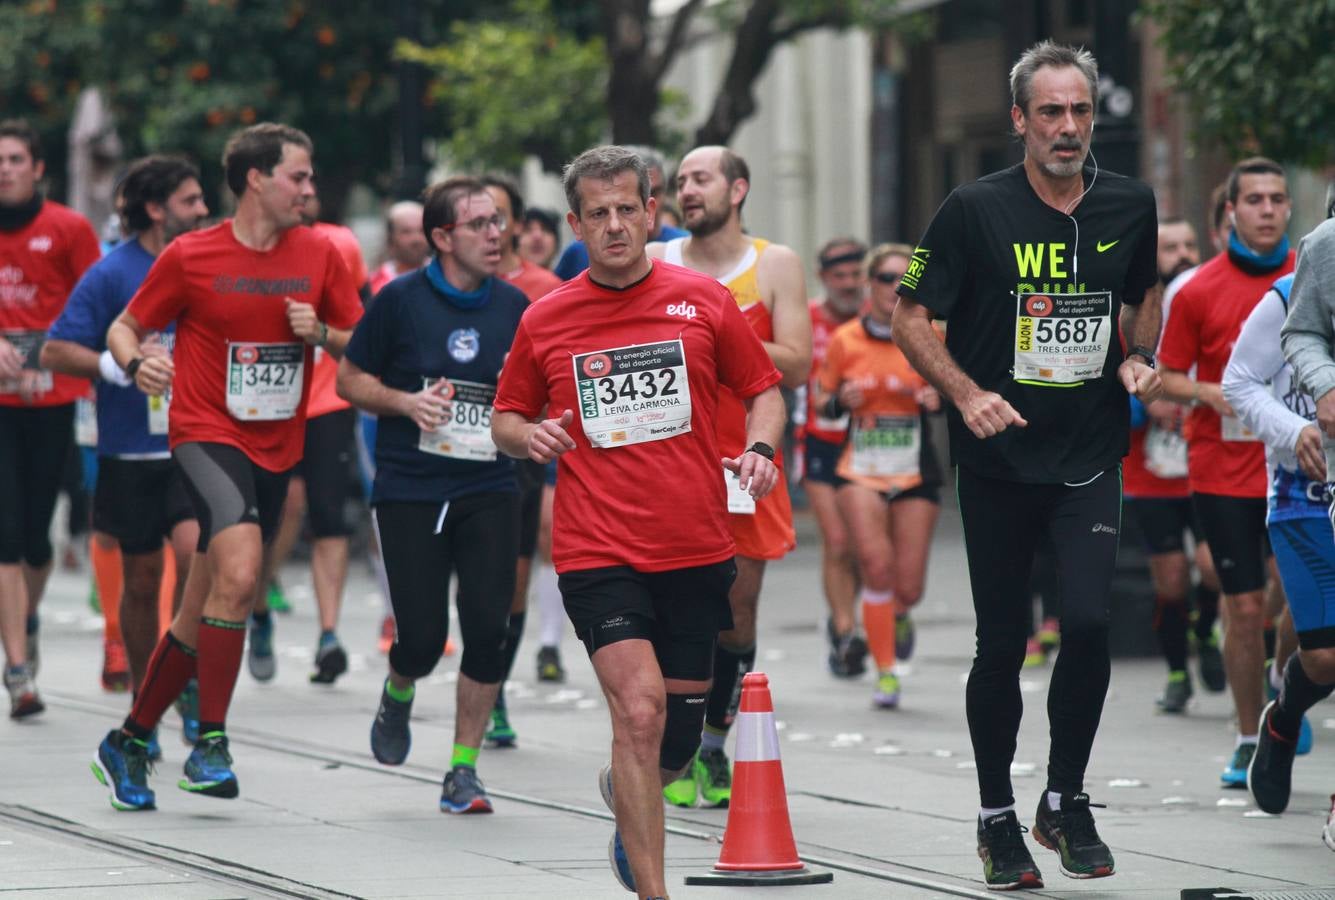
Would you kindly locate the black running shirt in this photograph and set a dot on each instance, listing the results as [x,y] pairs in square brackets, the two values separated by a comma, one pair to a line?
[1032,297]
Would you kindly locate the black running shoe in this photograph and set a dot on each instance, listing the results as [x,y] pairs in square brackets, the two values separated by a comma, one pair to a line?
[1211,663]
[331,661]
[1070,831]
[1007,865]
[390,738]
[1270,774]
[848,653]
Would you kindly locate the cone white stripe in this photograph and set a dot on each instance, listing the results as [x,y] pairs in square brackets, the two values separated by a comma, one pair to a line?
[757,738]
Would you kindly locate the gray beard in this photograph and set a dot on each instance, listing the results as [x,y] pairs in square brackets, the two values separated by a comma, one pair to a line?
[1064,169]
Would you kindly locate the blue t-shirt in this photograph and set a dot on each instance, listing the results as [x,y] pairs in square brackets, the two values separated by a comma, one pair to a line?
[575,257]
[99,297]
[413,331]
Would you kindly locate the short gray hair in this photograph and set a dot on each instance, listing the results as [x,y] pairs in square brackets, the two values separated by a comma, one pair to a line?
[604,163]
[652,158]
[1055,56]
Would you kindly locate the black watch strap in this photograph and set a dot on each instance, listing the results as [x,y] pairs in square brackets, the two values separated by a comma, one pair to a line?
[1143,352]
[133,367]
[763,449]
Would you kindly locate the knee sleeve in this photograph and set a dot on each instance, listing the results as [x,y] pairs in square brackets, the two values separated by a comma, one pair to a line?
[416,659]
[681,730]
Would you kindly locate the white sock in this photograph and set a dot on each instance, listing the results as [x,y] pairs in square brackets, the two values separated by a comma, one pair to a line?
[1054,801]
[710,740]
[986,813]
[1276,675]
[551,612]
[1246,739]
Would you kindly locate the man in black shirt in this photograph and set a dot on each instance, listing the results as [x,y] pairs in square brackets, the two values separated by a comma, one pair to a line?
[1035,267]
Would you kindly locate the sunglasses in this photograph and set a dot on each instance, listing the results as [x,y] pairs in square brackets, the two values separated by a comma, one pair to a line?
[888,277]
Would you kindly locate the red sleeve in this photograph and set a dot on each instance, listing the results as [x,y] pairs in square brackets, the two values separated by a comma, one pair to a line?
[522,388]
[340,306]
[828,377]
[743,363]
[1179,347]
[163,294]
[84,249]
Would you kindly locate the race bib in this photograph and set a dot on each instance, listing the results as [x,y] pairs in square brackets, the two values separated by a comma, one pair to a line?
[635,394]
[1062,338]
[85,422]
[739,501]
[1232,429]
[29,345]
[158,408]
[466,432]
[1165,453]
[264,381]
[886,445]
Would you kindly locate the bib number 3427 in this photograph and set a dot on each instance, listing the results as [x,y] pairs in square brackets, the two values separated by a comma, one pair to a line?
[264,381]
[1062,338]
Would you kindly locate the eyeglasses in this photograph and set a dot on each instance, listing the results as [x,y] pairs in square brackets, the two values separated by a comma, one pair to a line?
[888,277]
[480,224]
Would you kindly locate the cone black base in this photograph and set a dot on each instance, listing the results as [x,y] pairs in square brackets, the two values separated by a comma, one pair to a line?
[749,879]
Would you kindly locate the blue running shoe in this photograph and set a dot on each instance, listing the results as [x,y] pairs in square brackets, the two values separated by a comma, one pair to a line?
[462,792]
[390,737]
[208,771]
[122,764]
[616,855]
[187,706]
[1235,773]
[154,748]
[259,656]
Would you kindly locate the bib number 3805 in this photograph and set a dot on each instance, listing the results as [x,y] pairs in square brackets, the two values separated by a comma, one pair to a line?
[264,381]
[1062,338]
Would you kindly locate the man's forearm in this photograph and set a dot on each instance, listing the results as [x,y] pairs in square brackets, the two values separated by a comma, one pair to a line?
[1141,323]
[765,417]
[70,358]
[366,392]
[510,433]
[123,341]
[929,357]
[1179,387]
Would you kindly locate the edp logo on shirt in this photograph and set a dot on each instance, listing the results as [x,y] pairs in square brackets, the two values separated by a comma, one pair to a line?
[464,344]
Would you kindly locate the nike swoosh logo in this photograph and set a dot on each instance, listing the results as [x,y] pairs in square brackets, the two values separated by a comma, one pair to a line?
[1108,246]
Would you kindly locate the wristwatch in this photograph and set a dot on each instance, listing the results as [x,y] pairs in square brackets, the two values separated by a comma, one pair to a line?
[763,449]
[133,367]
[1144,353]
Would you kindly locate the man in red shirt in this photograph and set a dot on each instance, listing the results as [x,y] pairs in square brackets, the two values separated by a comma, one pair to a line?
[1226,463]
[405,244]
[44,248]
[252,298]
[628,358]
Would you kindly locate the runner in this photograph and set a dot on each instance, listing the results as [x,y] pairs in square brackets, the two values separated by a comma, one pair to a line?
[843,274]
[1227,464]
[638,351]
[425,360]
[541,237]
[1055,254]
[140,498]
[767,284]
[890,491]
[44,248]
[252,297]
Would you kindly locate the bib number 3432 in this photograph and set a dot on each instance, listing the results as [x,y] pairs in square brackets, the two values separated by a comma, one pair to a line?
[1062,338]
[630,395]
[264,380]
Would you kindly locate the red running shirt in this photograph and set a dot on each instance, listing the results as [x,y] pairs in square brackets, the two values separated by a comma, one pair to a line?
[659,504]
[221,292]
[39,265]
[1203,324]
[533,280]
[324,396]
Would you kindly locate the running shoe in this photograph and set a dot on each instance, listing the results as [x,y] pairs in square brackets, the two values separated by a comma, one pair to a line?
[259,654]
[1235,773]
[154,747]
[122,763]
[31,629]
[115,667]
[462,792]
[848,653]
[1050,634]
[682,792]
[713,777]
[1328,833]
[208,770]
[187,707]
[1211,663]
[23,699]
[1270,774]
[331,661]
[277,600]
[386,634]
[616,855]
[549,665]
[1007,864]
[605,786]
[390,737]
[906,636]
[499,731]
[886,695]
[1176,693]
[1034,654]
[1070,831]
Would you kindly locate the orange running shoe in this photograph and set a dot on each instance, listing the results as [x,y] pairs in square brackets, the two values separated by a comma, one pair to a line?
[115,667]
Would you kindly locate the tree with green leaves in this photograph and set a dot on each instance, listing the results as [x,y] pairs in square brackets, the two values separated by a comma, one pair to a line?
[1258,72]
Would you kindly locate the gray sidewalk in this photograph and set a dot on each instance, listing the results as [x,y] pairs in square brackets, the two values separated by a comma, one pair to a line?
[886,799]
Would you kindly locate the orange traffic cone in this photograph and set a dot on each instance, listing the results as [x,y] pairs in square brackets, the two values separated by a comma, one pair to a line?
[758,845]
